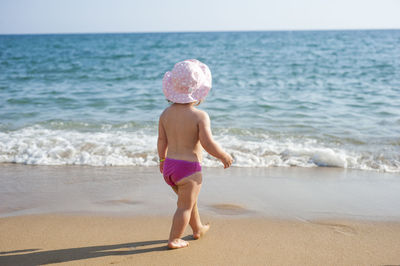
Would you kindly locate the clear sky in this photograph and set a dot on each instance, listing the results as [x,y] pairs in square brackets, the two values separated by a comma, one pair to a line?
[76,16]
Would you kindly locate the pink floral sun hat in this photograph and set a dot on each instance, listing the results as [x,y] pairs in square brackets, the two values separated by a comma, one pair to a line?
[189,81]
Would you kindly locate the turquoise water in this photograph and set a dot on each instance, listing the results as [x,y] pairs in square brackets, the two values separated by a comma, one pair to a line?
[322,98]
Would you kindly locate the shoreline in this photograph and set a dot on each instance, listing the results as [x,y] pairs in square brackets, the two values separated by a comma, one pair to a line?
[285,193]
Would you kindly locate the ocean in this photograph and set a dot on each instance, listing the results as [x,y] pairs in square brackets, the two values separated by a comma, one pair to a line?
[279,99]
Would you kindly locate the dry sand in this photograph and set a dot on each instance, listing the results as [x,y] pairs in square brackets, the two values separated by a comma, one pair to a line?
[99,240]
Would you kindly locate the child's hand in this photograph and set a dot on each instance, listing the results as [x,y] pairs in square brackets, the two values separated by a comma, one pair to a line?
[227,160]
[161,167]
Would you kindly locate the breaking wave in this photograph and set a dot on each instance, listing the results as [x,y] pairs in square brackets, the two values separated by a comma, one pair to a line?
[120,147]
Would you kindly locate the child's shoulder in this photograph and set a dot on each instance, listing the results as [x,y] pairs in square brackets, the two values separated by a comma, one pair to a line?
[164,113]
[201,114]
[166,110]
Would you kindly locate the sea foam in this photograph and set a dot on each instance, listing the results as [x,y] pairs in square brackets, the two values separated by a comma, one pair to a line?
[43,146]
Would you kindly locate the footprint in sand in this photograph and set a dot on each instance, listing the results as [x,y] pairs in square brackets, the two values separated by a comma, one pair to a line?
[339,228]
[118,202]
[229,209]
[4,210]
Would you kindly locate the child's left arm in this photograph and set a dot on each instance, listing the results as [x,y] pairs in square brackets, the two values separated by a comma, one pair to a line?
[162,144]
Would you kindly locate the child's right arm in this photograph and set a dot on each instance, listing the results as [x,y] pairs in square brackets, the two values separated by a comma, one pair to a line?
[162,144]
[208,142]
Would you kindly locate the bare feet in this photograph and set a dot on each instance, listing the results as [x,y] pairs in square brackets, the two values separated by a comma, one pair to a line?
[201,232]
[177,243]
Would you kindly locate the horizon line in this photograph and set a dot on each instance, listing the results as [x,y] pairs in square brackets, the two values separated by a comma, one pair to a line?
[199,31]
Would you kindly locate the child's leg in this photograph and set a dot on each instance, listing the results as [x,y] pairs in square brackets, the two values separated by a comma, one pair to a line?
[195,223]
[198,228]
[188,191]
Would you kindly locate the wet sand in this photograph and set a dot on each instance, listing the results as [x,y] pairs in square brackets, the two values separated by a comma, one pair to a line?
[289,193]
[122,215]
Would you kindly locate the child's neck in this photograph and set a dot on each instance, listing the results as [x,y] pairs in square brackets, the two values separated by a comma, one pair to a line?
[184,104]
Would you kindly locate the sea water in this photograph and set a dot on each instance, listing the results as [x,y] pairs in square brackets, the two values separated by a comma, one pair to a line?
[290,98]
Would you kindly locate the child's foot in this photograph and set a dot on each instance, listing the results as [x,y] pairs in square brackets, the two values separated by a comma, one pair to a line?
[178,243]
[201,232]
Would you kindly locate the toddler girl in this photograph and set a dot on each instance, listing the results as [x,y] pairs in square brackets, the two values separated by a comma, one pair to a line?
[182,132]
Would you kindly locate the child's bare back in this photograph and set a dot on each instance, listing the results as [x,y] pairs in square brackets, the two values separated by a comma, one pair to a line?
[181,124]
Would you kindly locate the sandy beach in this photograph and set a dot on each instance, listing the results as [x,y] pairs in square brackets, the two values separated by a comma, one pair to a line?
[97,240]
[122,215]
